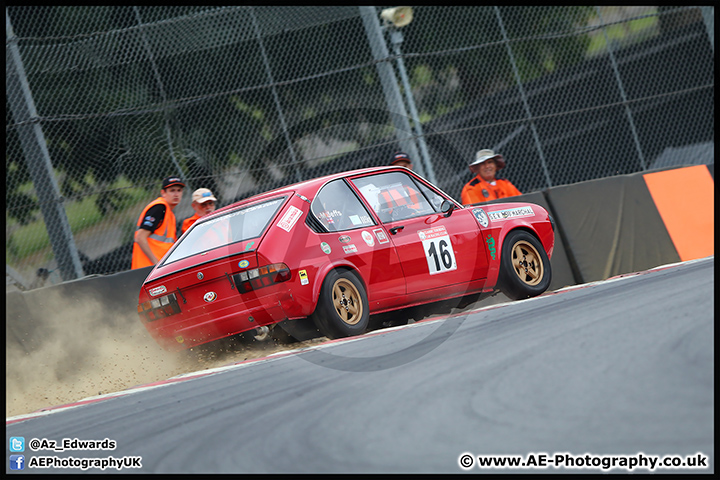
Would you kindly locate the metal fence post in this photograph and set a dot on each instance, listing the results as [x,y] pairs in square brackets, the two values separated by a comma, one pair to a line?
[389,84]
[708,14]
[396,38]
[37,157]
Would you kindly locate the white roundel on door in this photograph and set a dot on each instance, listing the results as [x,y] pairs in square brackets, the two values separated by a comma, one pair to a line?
[368,238]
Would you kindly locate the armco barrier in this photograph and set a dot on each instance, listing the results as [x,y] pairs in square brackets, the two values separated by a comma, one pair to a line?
[604,228]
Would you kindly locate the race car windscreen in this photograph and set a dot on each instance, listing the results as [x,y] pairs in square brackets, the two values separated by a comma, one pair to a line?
[230,228]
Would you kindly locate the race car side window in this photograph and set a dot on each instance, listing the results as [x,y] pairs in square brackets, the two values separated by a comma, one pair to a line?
[434,198]
[337,208]
[395,196]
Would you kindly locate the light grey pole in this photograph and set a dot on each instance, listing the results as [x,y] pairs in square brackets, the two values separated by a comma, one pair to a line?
[708,14]
[396,39]
[393,98]
[38,160]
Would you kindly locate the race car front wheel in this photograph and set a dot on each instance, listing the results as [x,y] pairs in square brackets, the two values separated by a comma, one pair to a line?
[342,309]
[524,267]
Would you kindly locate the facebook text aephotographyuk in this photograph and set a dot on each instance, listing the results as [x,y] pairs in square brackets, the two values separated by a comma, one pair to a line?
[85,463]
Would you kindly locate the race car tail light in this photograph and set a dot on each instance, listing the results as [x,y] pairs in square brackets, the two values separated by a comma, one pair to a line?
[256,278]
[158,308]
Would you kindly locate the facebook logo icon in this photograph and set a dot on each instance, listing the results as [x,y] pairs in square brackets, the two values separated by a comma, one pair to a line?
[17,462]
[17,444]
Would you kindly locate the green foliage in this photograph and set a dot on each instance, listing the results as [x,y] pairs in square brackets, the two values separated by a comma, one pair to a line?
[30,237]
[468,41]
[20,205]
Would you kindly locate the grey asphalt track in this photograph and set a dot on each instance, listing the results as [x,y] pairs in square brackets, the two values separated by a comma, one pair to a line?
[624,367]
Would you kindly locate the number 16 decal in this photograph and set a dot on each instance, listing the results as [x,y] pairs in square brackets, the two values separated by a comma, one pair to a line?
[438,250]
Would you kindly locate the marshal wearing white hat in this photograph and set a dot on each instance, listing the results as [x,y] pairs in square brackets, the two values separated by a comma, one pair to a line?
[484,186]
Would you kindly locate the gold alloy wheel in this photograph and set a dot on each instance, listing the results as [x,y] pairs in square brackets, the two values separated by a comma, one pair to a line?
[527,263]
[347,301]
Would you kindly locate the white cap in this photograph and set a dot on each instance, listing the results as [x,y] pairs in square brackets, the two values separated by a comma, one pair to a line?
[202,195]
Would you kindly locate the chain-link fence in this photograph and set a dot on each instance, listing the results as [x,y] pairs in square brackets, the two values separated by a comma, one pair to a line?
[104,102]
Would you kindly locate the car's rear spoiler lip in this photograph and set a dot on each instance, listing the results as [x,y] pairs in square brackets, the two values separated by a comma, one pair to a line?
[163,275]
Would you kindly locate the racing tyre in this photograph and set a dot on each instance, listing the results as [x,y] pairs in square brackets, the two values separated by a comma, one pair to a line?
[524,266]
[342,309]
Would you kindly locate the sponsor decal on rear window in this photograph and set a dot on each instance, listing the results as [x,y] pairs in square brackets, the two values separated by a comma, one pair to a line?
[288,221]
[360,220]
[511,213]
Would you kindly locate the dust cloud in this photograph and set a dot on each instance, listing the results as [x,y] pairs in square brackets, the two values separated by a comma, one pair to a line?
[86,350]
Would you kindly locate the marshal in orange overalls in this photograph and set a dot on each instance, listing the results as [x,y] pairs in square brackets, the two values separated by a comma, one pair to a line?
[160,240]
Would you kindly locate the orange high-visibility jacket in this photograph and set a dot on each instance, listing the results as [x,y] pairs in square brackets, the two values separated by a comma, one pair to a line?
[187,223]
[160,240]
[478,190]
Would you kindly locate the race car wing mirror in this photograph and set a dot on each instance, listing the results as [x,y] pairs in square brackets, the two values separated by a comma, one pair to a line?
[447,208]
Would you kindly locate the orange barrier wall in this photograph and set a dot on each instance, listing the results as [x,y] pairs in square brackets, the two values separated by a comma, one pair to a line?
[685,199]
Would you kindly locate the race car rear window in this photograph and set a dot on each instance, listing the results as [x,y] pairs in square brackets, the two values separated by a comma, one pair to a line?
[233,227]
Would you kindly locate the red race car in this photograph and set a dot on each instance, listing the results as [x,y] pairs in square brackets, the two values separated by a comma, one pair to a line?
[332,251]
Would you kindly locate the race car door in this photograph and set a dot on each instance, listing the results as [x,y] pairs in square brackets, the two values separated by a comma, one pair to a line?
[352,231]
[435,251]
